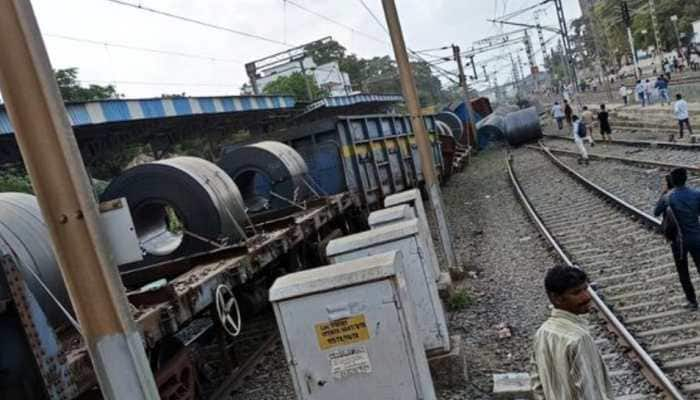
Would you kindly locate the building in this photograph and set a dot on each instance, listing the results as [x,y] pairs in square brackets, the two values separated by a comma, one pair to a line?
[327,76]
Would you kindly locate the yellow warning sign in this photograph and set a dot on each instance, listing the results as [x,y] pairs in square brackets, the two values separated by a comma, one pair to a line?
[342,331]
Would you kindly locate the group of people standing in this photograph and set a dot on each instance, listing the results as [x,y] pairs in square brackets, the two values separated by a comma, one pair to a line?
[582,128]
[647,92]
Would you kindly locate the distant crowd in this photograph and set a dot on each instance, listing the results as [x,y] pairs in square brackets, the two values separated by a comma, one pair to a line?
[582,127]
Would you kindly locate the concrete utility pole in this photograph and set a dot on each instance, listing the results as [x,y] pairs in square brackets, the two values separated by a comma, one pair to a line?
[471,134]
[408,86]
[657,40]
[52,158]
[628,24]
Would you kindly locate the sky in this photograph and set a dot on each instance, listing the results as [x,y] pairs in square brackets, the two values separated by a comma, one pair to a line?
[215,59]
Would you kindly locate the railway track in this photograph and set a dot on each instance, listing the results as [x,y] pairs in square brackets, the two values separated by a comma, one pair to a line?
[632,267]
[642,152]
[224,363]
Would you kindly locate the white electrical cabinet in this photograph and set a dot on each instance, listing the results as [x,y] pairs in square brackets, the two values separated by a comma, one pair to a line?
[400,213]
[422,288]
[349,332]
[412,197]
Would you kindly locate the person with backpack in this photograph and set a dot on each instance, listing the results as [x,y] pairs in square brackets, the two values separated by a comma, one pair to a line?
[680,207]
[579,132]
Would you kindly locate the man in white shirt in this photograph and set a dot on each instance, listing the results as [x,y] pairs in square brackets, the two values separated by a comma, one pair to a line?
[649,92]
[623,93]
[558,114]
[579,132]
[566,363]
[680,109]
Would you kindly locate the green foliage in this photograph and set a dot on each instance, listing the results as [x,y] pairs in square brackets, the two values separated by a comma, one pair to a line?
[459,300]
[297,85]
[379,74]
[612,30]
[323,53]
[15,181]
[71,90]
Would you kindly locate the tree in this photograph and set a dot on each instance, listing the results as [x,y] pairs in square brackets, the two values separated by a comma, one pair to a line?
[611,27]
[325,52]
[377,74]
[295,85]
[71,90]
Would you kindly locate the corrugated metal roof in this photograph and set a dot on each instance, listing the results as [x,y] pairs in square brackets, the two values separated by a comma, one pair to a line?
[342,101]
[99,112]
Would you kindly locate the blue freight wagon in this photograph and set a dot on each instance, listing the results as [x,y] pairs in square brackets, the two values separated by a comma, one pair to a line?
[370,155]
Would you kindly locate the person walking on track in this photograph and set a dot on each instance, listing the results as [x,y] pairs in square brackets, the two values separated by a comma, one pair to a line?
[680,206]
[604,122]
[579,132]
[680,109]
[568,112]
[587,120]
[558,114]
[565,361]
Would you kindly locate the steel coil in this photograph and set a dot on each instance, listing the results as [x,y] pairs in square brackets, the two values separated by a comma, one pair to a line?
[25,237]
[523,126]
[270,175]
[188,191]
[454,122]
[444,129]
[491,128]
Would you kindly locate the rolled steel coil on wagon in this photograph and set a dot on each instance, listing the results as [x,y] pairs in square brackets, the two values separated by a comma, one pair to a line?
[179,206]
[454,122]
[25,238]
[523,126]
[270,175]
[444,129]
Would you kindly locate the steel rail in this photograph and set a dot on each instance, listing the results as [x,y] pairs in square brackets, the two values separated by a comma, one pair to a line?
[658,377]
[637,143]
[628,160]
[646,218]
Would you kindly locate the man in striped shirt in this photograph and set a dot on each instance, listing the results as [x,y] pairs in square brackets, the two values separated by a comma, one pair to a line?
[566,363]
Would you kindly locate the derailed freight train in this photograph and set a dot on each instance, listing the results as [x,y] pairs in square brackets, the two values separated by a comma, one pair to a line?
[204,231]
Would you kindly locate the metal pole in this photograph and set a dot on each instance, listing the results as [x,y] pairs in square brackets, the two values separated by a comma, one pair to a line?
[471,136]
[251,70]
[628,24]
[52,158]
[634,53]
[567,45]
[408,86]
